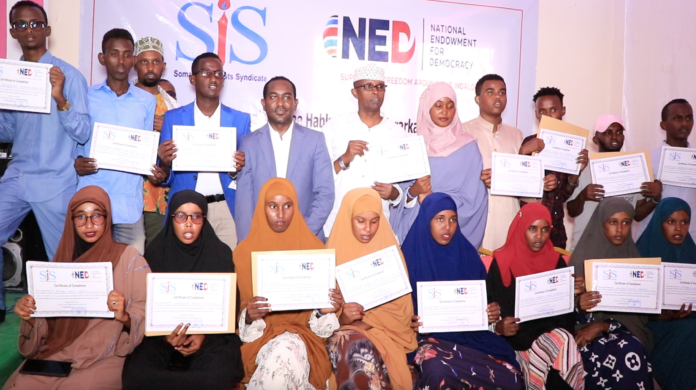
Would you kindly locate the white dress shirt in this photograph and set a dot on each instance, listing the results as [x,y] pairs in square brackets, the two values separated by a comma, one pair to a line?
[208,183]
[281,149]
[360,173]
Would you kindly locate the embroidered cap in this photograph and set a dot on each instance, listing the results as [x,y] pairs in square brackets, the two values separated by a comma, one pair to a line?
[147,44]
[369,72]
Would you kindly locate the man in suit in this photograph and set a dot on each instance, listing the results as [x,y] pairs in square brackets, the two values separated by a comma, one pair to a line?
[205,112]
[283,148]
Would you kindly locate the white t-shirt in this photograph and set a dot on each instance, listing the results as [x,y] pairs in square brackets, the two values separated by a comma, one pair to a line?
[281,149]
[208,183]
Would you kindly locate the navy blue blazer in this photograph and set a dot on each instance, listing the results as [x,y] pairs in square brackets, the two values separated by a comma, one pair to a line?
[184,116]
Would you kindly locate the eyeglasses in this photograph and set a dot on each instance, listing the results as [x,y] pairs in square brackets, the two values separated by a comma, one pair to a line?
[97,219]
[22,25]
[220,74]
[370,87]
[181,218]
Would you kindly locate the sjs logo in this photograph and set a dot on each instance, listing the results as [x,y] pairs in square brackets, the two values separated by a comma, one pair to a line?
[434,293]
[530,286]
[168,287]
[610,274]
[367,40]
[676,274]
[674,156]
[47,276]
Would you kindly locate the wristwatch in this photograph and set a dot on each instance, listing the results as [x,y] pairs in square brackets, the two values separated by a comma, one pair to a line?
[342,164]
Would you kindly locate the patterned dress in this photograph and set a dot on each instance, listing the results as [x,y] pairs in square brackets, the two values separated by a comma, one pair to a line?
[356,362]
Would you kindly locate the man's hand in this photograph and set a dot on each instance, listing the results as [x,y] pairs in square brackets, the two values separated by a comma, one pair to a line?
[191,345]
[583,160]
[508,326]
[159,119]
[167,152]
[579,284]
[159,175]
[535,145]
[585,335]
[593,192]
[336,299]
[355,148]
[421,186]
[493,311]
[550,182]
[589,300]
[256,309]
[651,189]
[239,160]
[486,177]
[85,166]
[57,79]
[386,191]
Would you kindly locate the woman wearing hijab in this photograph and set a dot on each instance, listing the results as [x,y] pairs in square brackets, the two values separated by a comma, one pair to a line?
[667,236]
[435,250]
[455,163]
[187,244]
[285,349]
[617,340]
[544,347]
[369,350]
[96,347]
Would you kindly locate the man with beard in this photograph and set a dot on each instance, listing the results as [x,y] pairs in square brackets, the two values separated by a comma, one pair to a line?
[348,138]
[283,148]
[219,188]
[150,65]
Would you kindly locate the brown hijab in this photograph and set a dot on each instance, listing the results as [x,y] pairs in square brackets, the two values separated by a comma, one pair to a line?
[263,238]
[64,330]
[391,331]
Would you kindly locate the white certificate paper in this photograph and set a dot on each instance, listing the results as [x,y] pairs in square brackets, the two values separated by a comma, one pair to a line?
[124,149]
[295,280]
[517,175]
[374,279]
[620,174]
[204,149]
[399,160]
[678,167]
[70,289]
[679,286]
[25,86]
[453,306]
[545,294]
[561,151]
[630,288]
[204,300]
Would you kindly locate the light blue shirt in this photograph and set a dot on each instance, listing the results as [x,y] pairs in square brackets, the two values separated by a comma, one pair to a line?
[134,109]
[45,144]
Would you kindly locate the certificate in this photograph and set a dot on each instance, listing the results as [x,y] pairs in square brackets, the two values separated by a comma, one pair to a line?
[294,280]
[620,173]
[25,86]
[399,160]
[374,279]
[70,289]
[679,285]
[204,149]
[454,306]
[562,144]
[124,149]
[626,287]
[204,300]
[678,167]
[517,175]
[545,294]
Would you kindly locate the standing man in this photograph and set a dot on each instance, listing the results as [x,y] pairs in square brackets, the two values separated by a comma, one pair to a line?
[150,65]
[283,148]
[117,101]
[205,112]
[39,177]
[348,138]
[549,101]
[493,135]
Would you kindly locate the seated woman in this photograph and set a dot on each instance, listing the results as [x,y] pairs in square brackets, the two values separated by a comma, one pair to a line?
[613,357]
[667,236]
[455,163]
[180,361]
[285,349]
[436,250]
[369,351]
[96,347]
[545,347]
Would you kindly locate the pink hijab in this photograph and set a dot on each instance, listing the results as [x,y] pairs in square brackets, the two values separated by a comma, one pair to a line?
[440,141]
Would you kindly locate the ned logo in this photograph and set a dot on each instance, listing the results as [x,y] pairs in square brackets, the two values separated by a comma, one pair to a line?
[199,286]
[461,291]
[80,275]
[377,262]
[307,266]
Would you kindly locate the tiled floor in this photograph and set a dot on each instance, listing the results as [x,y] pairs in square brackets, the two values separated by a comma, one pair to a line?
[9,356]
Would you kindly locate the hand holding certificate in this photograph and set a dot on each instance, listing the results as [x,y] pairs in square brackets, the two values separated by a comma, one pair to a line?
[679,287]
[620,172]
[545,294]
[456,306]
[678,167]
[124,149]
[400,160]
[25,86]
[627,285]
[563,143]
[517,175]
[204,150]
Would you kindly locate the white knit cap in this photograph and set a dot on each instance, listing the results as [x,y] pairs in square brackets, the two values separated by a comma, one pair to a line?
[369,72]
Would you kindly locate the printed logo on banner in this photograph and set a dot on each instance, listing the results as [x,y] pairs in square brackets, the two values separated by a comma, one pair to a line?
[212,11]
[367,40]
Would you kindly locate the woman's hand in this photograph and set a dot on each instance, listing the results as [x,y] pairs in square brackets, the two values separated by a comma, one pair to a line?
[117,303]
[352,312]
[508,326]
[579,284]
[585,335]
[415,323]
[191,345]
[336,300]
[683,312]
[493,311]
[25,307]
[178,336]
[256,311]
[589,300]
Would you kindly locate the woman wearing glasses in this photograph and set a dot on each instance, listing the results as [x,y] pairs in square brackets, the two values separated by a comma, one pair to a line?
[183,361]
[96,347]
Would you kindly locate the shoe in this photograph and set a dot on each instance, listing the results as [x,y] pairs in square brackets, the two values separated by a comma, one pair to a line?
[2,316]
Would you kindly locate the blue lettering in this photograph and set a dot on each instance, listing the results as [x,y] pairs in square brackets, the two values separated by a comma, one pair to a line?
[194,30]
[250,35]
[377,40]
[350,36]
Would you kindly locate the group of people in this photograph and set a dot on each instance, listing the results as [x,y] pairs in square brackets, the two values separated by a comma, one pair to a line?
[296,188]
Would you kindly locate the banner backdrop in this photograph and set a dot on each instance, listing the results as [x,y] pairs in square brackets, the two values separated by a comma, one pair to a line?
[318,44]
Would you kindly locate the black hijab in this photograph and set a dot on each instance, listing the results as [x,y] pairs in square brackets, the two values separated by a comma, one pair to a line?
[207,254]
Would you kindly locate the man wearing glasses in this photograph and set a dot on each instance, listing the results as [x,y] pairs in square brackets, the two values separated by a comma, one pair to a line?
[40,177]
[348,137]
[205,112]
